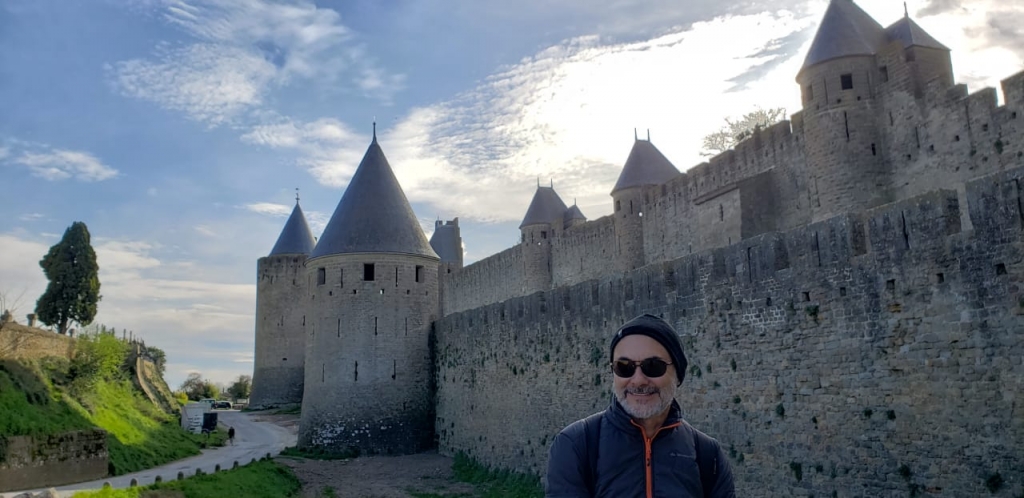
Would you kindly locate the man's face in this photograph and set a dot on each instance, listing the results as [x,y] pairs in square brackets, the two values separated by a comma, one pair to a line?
[641,396]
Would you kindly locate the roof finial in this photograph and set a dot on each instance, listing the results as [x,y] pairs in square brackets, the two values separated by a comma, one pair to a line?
[635,137]
[538,182]
[906,13]
[648,134]
[296,195]
[552,182]
[375,128]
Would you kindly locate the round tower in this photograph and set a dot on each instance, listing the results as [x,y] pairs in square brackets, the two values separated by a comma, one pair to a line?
[843,149]
[645,166]
[279,362]
[372,294]
[538,229]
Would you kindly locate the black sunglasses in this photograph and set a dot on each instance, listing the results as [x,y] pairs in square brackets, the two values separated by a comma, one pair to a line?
[651,367]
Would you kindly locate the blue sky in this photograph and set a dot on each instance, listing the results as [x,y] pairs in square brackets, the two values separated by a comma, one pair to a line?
[179,129]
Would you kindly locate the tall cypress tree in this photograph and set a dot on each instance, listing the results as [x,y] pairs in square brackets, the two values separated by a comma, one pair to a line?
[74,288]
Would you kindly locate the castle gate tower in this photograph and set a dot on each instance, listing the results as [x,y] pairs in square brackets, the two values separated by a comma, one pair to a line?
[645,166]
[845,157]
[280,317]
[372,294]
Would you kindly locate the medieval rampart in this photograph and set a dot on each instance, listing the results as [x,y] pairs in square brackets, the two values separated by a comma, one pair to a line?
[489,280]
[19,342]
[32,462]
[876,354]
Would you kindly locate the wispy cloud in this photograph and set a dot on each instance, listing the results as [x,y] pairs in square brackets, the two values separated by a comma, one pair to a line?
[60,164]
[244,50]
[317,220]
[4,152]
[31,217]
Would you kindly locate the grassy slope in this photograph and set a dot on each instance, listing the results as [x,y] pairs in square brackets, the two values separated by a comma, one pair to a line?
[139,435]
[265,479]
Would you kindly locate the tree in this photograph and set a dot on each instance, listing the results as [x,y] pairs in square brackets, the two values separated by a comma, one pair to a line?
[197,388]
[74,288]
[736,131]
[241,388]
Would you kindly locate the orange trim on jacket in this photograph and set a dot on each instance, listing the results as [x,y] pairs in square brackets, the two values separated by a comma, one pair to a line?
[647,452]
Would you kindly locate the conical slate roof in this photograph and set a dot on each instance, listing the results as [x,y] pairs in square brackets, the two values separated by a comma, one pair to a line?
[295,238]
[646,165]
[911,35]
[545,207]
[373,215]
[574,213]
[845,30]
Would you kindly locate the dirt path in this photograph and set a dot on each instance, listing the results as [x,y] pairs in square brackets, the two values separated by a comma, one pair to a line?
[378,476]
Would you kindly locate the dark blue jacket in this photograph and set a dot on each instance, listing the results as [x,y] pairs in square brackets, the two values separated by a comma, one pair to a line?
[622,460]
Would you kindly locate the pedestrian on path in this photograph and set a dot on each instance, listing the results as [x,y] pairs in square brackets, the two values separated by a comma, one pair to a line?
[231,435]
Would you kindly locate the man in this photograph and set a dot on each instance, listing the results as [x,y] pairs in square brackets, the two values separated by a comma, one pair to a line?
[231,435]
[640,446]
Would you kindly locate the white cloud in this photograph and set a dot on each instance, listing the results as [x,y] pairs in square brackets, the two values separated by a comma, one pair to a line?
[59,164]
[205,230]
[207,82]
[31,217]
[245,49]
[270,208]
[4,152]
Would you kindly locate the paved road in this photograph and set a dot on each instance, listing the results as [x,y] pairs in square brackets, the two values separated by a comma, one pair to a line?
[253,439]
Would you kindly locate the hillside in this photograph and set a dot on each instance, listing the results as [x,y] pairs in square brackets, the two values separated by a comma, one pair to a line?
[48,396]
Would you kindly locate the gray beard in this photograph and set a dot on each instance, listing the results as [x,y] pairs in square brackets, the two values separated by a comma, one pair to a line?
[665,397]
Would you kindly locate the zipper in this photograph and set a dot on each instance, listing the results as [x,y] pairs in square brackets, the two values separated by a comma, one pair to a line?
[647,453]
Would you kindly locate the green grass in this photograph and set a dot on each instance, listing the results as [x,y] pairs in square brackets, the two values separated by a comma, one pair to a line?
[42,398]
[491,483]
[264,479]
[291,410]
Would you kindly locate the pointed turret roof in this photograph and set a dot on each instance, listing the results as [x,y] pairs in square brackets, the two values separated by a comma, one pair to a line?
[911,34]
[373,215]
[844,30]
[545,207]
[574,213]
[295,238]
[646,165]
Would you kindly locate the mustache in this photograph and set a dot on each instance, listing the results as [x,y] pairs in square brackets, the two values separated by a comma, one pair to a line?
[642,390]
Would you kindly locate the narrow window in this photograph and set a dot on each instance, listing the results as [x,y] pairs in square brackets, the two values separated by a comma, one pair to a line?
[910,55]
[618,206]
[874,151]
[846,121]
[543,234]
[419,273]
[341,277]
[396,276]
[368,272]
[523,238]
[846,81]
[809,93]
[721,212]
[885,73]
[321,276]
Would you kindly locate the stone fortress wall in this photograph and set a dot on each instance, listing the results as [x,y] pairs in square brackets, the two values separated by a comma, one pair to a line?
[870,354]
[764,185]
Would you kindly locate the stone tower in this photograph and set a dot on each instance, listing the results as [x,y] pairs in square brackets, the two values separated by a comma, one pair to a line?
[645,166]
[372,295]
[848,170]
[543,219]
[447,242]
[280,317]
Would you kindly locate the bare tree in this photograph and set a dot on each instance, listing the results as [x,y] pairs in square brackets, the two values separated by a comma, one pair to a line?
[9,304]
[735,131]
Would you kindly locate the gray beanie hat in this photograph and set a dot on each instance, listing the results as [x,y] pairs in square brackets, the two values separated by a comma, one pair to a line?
[660,331]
